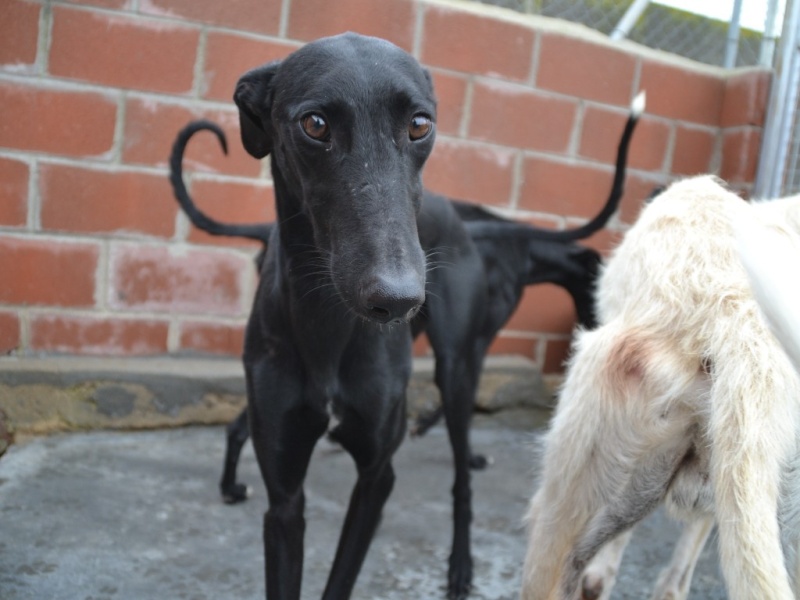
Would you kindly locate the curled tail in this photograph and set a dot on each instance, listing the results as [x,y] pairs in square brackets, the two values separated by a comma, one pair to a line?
[479,229]
[259,232]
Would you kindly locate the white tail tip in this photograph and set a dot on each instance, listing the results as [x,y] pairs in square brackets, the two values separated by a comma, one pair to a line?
[638,104]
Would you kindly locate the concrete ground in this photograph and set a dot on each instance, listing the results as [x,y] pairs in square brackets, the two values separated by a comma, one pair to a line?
[136,516]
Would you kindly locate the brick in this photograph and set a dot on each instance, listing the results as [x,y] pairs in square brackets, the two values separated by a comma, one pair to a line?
[231,202]
[596,71]
[740,151]
[451,94]
[678,93]
[115,4]
[153,55]
[506,344]
[517,116]
[540,221]
[601,133]
[469,171]
[544,308]
[393,20]
[694,151]
[555,356]
[45,120]
[102,336]
[604,241]
[638,188]
[47,272]
[10,332]
[563,188]
[19,34]
[91,201]
[471,43]
[250,15]
[422,346]
[177,281]
[229,56]
[212,338]
[13,192]
[746,98]
[151,128]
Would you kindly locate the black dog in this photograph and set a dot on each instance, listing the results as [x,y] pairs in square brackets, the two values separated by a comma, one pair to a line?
[349,123]
[513,259]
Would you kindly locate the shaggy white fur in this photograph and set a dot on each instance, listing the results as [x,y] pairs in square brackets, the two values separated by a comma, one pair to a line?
[682,395]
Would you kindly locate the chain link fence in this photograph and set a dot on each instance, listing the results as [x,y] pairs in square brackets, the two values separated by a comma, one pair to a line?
[662,27]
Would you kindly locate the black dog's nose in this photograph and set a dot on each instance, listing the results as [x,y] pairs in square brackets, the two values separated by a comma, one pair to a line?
[396,299]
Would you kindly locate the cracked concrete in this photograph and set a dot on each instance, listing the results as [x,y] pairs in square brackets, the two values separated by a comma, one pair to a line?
[136,515]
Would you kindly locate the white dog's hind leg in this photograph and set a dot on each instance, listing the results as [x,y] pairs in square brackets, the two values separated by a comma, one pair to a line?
[618,435]
[675,580]
[752,427]
[601,574]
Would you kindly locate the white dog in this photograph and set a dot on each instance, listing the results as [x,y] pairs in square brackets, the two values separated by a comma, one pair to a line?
[682,395]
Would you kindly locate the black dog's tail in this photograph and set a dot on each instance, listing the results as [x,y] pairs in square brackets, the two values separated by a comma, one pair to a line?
[494,227]
[259,232]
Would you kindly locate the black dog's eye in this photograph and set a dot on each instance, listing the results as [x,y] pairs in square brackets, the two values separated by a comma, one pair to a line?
[316,127]
[419,127]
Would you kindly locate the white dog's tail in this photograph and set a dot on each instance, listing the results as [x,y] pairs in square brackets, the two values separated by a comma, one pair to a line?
[766,252]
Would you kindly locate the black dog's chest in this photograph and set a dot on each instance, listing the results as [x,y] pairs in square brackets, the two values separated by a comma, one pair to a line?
[339,359]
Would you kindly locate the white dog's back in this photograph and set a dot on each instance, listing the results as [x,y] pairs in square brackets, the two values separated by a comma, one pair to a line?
[771,257]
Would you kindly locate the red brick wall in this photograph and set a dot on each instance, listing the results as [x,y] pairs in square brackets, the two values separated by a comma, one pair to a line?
[95,258]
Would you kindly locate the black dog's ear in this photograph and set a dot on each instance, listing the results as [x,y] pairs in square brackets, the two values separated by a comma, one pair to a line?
[253,96]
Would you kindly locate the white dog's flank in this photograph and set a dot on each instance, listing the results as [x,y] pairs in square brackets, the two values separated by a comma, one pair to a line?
[682,395]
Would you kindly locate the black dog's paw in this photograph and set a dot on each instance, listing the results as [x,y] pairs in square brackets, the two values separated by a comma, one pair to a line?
[424,422]
[459,579]
[478,462]
[236,493]
[459,591]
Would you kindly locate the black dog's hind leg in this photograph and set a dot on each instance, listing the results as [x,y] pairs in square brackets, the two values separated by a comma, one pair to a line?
[425,421]
[457,378]
[237,434]
[283,439]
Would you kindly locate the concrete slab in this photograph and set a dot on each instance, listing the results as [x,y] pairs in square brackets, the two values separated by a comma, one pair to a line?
[53,394]
[134,516]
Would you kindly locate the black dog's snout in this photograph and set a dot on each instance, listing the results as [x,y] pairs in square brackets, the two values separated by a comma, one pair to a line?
[396,299]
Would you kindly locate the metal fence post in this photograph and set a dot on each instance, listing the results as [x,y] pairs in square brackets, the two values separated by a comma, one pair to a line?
[628,20]
[782,107]
[732,42]
[766,54]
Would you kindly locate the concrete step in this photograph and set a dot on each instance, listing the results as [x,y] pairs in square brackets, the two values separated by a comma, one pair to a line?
[46,395]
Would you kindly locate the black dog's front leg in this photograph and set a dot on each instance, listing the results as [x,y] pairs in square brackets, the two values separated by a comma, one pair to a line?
[371,438]
[363,516]
[284,434]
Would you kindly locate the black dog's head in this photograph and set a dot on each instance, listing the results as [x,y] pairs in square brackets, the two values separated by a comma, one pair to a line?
[349,121]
